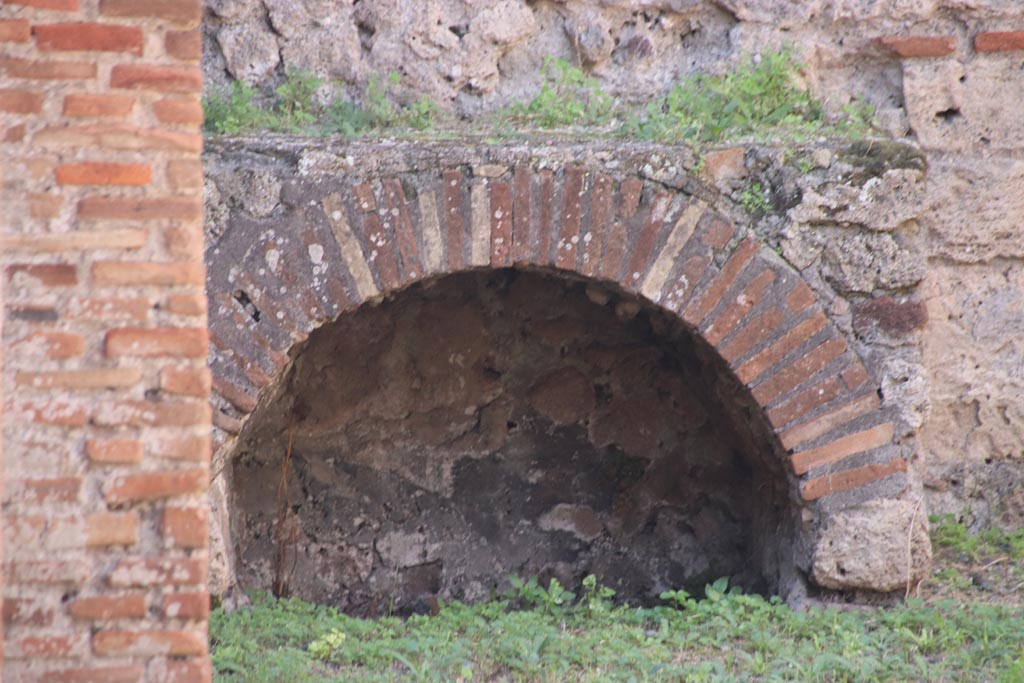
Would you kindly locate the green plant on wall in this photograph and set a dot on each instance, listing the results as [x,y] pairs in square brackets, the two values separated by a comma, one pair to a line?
[568,97]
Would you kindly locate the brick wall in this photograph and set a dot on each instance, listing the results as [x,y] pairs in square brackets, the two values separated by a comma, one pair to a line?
[106,418]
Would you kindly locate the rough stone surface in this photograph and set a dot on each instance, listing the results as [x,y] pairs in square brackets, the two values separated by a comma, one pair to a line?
[871,546]
[440,443]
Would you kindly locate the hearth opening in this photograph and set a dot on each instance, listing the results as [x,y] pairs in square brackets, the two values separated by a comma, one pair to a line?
[506,422]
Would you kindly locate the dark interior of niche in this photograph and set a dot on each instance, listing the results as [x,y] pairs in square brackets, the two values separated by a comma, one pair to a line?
[497,423]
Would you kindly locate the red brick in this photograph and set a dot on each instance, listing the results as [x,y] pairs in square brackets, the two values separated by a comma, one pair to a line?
[501,223]
[522,241]
[83,105]
[43,274]
[130,309]
[118,136]
[919,46]
[545,217]
[191,305]
[134,488]
[55,345]
[834,418]
[799,298]
[842,447]
[28,612]
[154,643]
[185,174]
[178,111]
[789,377]
[176,79]
[54,413]
[153,414]
[141,273]
[454,223]
[643,245]
[57,5]
[766,358]
[398,216]
[180,342]
[103,529]
[804,402]
[185,448]
[80,240]
[15,31]
[385,265]
[114,451]
[129,673]
[187,606]
[572,216]
[242,399]
[597,224]
[752,333]
[735,311]
[185,12]
[47,70]
[186,381]
[46,647]
[88,37]
[998,41]
[699,307]
[184,671]
[850,479]
[21,101]
[171,208]
[158,571]
[108,607]
[718,233]
[184,45]
[43,491]
[185,527]
[854,376]
[104,173]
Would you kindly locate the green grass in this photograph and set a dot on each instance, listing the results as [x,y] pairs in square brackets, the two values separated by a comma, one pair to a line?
[949,533]
[538,634]
[763,99]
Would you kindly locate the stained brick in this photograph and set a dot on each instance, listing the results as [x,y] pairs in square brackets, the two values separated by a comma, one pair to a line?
[184,12]
[88,37]
[572,217]
[185,527]
[133,309]
[642,247]
[82,240]
[47,647]
[152,414]
[522,217]
[751,334]
[48,70]
[185,174]
[854,376]
[545,216]
[172,208]
[799,298]
[181,342]
[454,219]
[118,136]
[88,105]
[128,673]
[158,571]
[55,413]
[43,274]
[178,111]
[35,612]
[21,101]
[897,318]
[42,205]
[919,46]
[176,79]
[150,643]
[15,31]
[184,671]
[140,273]
[56,345]
[192,305]
[184,448]
[101,378]
[501,224]
[111,528]
[184,45]
[186,381]
[104,173]
[850,479]
[56,5]
[242,399]
[398,215]
[46,572]
[51,490]
[597,224]
[104,607]
[188,606]
[382,258]
[134,488]
[114,451]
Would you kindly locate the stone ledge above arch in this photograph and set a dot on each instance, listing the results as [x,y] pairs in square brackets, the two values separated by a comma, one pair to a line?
[337,233]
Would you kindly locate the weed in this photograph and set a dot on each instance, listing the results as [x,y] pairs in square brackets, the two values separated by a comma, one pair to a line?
[754,200]
[762,97]
[568,97]
[234,110]
[948,532]
[296,106]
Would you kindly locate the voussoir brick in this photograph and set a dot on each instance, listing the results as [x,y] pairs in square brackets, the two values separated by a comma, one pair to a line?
[842,447]
[849,479]
[791,376]
[822,424]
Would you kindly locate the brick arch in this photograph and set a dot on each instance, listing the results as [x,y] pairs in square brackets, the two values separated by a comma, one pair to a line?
[335,244]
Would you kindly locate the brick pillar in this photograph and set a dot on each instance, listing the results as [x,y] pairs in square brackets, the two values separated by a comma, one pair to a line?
[106,417]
